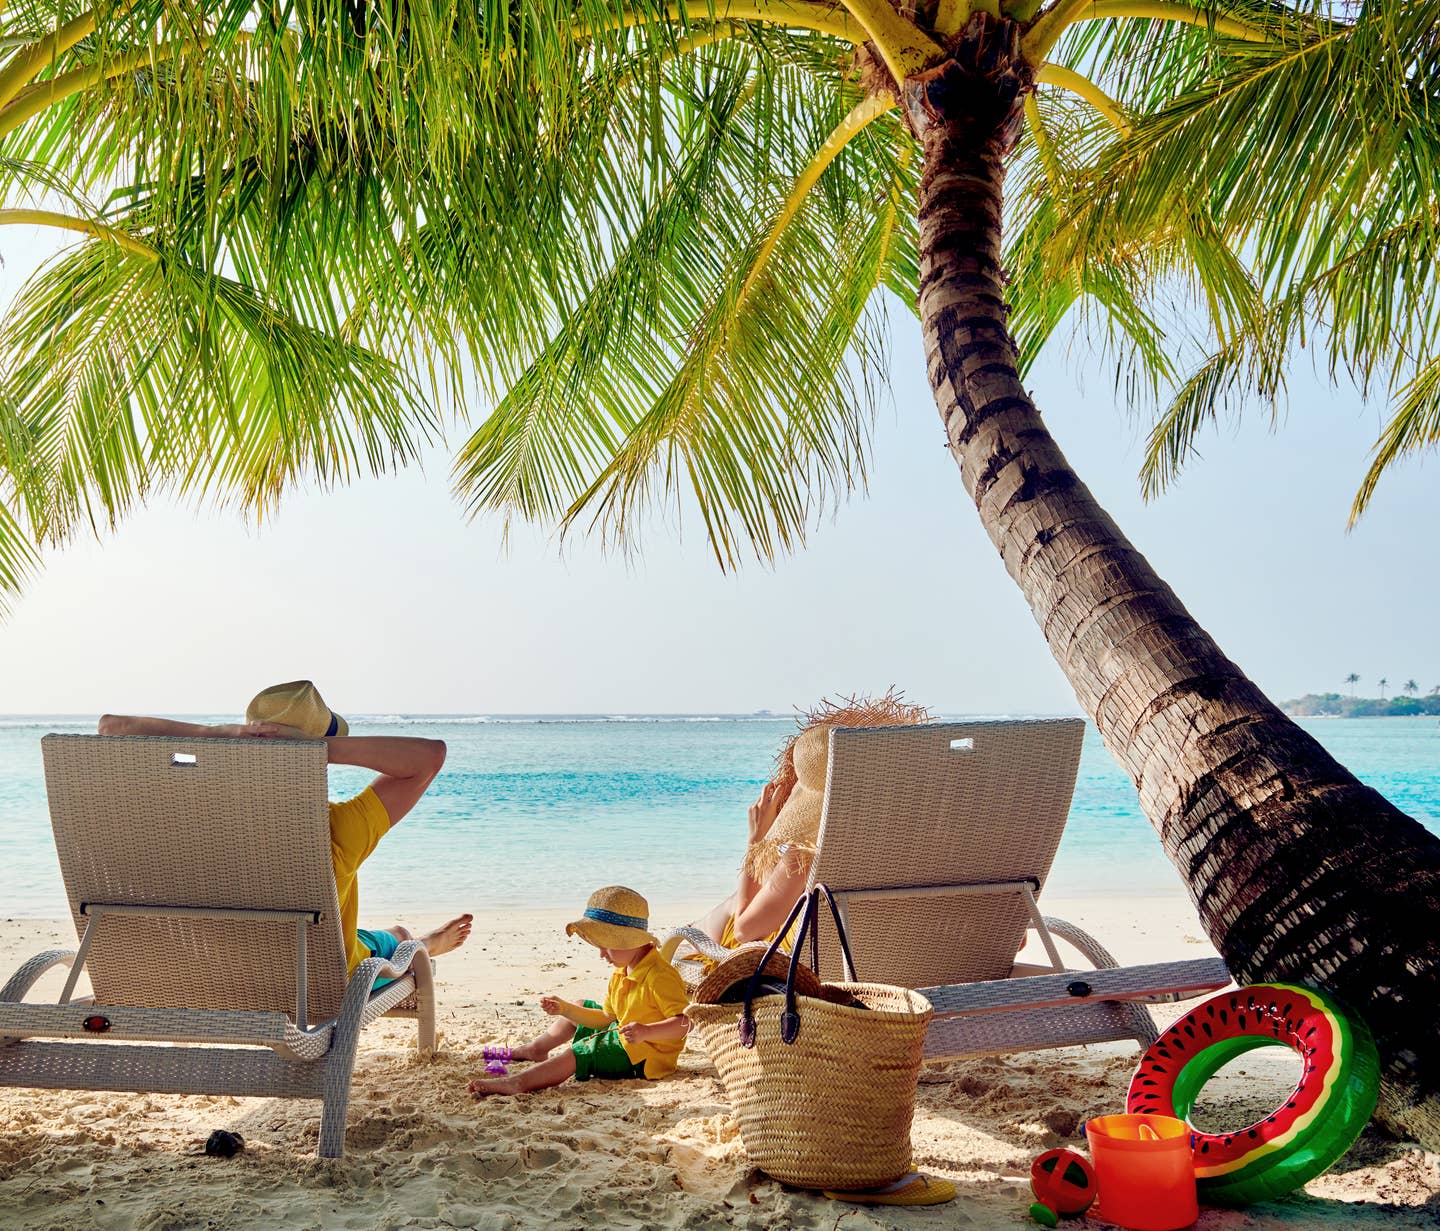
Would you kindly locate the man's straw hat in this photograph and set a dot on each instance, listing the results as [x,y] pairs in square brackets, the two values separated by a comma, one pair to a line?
[615,918]
[296,704]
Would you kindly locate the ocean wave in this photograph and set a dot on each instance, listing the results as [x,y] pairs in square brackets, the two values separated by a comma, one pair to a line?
[421,720]
[462,720]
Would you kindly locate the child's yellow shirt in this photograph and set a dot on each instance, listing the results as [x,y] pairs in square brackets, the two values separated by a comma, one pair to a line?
[650,992]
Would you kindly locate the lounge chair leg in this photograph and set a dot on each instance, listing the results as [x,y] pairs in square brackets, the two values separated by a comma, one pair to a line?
[340,1064]
[333,1107]
[1141,1023]
[339,1071]
[424,971]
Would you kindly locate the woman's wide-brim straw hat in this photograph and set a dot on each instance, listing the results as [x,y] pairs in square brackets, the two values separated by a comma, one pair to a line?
[715,987]
[615,918]
[802,769]
[297,704]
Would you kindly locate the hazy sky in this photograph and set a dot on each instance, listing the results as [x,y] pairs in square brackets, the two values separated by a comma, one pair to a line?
[385,596]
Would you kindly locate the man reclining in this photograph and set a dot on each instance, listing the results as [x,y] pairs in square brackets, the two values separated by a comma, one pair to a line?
[406,767]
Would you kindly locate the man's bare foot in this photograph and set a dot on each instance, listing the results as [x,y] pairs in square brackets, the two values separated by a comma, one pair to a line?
[448,936]
[480,1087]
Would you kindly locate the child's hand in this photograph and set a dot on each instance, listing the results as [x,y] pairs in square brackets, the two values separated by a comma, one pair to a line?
[635,1032]
[553,1005]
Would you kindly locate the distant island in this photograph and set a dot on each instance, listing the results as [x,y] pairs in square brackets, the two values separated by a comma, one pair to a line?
[1336,705]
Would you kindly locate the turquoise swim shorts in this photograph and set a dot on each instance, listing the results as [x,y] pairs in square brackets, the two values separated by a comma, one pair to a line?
[380,944]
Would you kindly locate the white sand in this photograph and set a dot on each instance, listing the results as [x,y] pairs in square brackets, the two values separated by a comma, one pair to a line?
[421,1153]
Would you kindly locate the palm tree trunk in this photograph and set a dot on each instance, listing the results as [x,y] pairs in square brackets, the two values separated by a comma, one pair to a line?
[1298,870]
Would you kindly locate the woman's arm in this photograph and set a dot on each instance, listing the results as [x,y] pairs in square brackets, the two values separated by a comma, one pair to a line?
[771,904]
[761,818]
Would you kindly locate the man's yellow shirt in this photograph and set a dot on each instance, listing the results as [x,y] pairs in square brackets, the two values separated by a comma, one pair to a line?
[356,827]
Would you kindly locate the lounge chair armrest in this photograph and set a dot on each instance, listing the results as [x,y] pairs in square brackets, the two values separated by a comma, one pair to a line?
[1154,983]
[409,958]
[403,962]
[1091,949]
[702,942]
[24,978]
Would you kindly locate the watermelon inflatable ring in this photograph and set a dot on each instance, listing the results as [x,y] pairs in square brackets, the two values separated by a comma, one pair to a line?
[1304,1136]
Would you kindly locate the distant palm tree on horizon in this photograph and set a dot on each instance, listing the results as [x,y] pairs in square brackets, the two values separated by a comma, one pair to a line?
[1411,687]
[1352,679]
[1383,682]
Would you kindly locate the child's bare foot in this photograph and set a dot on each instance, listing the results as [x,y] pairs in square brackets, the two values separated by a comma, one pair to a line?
[481,1086]
[449,936]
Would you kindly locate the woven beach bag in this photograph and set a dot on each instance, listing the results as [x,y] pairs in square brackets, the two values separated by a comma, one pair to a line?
[823,1087]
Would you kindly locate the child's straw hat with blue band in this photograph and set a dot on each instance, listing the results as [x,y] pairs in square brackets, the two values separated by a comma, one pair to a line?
[615,918]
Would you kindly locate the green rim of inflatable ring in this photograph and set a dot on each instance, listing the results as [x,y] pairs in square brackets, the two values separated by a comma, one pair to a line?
[1307,1134]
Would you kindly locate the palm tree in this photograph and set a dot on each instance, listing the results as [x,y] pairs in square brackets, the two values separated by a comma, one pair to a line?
[1352,679]
[1383,683]
[662,234]
[1411,687]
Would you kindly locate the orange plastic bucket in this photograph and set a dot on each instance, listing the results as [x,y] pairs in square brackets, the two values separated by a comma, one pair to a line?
[1144,1170]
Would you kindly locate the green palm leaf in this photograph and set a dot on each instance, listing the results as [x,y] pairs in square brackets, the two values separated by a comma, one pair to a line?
[651,388]
[105,342]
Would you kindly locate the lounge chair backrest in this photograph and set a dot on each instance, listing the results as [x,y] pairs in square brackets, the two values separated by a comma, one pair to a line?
[198,826]
[945,809]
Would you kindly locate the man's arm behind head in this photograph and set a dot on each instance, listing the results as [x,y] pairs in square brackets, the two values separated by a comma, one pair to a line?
[127,724]
[406,765]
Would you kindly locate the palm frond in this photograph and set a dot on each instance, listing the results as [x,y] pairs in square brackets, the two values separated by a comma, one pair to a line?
[19,559]
[1413,427]
[703,363]
[125,372]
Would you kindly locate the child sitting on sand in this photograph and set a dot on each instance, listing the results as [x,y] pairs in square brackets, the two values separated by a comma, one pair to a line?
[638,1032]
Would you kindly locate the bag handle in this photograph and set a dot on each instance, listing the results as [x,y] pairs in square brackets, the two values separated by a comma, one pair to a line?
[790,1018]
[839,934]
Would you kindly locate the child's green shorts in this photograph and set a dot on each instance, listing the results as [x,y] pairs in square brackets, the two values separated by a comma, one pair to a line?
[600,1053]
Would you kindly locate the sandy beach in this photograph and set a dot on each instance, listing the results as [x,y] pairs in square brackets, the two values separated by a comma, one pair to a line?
[665,1154]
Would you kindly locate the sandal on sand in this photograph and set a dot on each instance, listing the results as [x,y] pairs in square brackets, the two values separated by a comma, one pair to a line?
[912,1189]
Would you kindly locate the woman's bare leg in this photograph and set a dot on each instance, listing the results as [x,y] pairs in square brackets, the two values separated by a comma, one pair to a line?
[713,923]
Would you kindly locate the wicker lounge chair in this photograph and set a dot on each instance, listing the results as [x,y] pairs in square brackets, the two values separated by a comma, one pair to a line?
[199,877]
[936,841]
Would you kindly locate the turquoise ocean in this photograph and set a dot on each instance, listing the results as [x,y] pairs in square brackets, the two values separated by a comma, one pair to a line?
[537,810]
